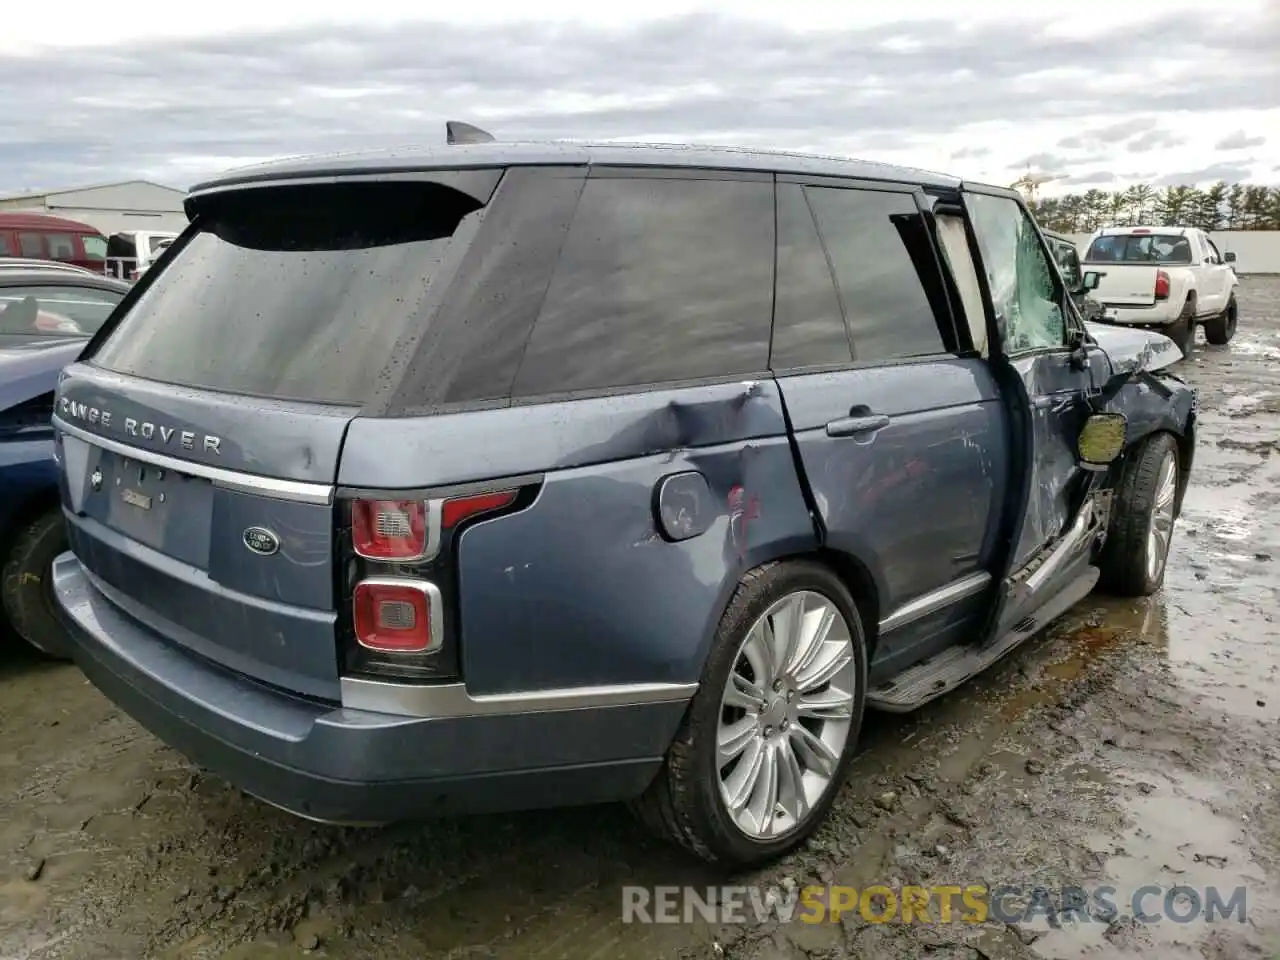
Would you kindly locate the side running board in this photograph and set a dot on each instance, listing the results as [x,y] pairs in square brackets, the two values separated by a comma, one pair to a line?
[945,671]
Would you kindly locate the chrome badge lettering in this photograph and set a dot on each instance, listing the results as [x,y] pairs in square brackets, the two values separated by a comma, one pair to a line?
[261,541]
[158,434]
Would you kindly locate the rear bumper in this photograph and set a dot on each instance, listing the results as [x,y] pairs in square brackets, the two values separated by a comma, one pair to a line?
[336,764]
[1158,315]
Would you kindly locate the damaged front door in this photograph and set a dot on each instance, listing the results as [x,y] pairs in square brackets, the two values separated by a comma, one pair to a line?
[1055,370]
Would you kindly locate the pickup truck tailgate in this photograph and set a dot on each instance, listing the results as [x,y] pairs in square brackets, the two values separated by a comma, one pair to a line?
[1124,285]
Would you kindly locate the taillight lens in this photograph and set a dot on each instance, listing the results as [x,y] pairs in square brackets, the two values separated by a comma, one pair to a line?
[461,508]
[397,616]
[1162,285]
[389,529]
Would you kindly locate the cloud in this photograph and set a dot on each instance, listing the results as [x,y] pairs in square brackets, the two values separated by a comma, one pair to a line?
[1154,140]
[1039,161]
[967,153]
[180,109]
[1230,172]
[1239,141]
[1094,178]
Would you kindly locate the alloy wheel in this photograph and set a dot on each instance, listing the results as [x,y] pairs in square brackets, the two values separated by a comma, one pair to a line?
[785,715]
[1161,528]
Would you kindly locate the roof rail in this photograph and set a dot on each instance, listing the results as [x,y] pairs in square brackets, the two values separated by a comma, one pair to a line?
[30,263]
[455,131]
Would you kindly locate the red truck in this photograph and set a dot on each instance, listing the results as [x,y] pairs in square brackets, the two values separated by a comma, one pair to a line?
[39,236]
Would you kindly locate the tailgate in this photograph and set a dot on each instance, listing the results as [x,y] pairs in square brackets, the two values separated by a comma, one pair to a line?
[222,545]
[1123,285]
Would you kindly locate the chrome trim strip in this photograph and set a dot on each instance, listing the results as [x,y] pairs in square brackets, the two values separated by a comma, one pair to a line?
[435,612]
[297,490]
[936,600]
[453,700]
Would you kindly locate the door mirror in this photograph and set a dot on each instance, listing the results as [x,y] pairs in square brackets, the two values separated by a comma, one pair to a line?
[1229,257]
[1102,439]
[1091,280]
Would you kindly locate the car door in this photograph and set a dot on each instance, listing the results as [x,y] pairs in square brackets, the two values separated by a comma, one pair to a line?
[900,439]
[1039,340]
[1217,278]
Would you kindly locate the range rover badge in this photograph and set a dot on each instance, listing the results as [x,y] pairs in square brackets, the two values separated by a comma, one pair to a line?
[261,541]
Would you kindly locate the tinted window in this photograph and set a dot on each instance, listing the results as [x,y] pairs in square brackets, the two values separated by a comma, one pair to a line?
[6,250]
[55,311]
[874,240]
[1140,248]
[61,246]
[659,280]
[808,326]
[299,294]
[31,245]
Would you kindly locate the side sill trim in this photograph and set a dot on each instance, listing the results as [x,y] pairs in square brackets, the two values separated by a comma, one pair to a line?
[298,490]
[453,700]
[936,600]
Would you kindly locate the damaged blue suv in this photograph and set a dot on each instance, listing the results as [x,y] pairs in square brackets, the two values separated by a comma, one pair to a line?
[517,475]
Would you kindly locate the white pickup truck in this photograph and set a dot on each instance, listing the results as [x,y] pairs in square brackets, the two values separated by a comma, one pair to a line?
[1166,278]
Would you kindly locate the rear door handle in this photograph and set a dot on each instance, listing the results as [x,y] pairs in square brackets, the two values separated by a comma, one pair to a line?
[855,426]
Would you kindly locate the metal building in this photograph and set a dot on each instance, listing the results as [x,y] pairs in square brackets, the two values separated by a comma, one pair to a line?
[110,207]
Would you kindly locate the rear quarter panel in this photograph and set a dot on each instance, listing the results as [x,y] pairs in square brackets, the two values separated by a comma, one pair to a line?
[582,587]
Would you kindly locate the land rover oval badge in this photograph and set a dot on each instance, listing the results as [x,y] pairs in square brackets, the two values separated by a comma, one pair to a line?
[261,541]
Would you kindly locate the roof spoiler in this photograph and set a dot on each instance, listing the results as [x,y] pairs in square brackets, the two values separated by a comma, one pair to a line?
[455,131]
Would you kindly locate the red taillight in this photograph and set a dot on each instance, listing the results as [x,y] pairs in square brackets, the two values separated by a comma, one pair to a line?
[397,616]
[389,529]
[459,509]
[1162,285]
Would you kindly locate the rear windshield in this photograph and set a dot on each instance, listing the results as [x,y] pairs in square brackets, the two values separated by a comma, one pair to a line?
[54,311]
[296,294]
[1140,248]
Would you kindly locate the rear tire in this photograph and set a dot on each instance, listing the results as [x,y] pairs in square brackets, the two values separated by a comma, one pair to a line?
[1183,331]
[784,765]
[26,591]
[1143,511]
[1222,328]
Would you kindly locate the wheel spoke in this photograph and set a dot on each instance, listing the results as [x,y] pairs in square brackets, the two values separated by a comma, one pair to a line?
[787,621]
[741,784]
[744,694]
[817,627]
[759,653]
[791,797]
[763,804]
[735,738]
[833,658]
[830,704]
[817,756]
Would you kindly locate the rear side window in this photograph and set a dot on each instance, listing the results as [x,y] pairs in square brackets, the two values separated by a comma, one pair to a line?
[31,245]
[659,280]
[880,252]
[294,293]
[808,326]
[55,311]
[62,246]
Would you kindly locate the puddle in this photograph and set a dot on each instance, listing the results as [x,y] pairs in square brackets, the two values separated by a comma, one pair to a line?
[1171,893]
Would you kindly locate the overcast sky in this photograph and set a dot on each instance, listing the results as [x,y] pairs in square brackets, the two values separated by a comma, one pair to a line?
[1099,92]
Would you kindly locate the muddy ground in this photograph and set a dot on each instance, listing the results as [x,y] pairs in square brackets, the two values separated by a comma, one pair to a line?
[1136,744]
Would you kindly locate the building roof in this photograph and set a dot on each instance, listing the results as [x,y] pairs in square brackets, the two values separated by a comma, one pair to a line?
[564,153]
[42,221]
[38,194]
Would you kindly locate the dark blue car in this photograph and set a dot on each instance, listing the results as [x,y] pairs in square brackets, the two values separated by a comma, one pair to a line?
[46,316]
[506,475]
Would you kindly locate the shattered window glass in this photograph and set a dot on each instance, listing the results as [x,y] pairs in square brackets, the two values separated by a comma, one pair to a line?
[1020,275]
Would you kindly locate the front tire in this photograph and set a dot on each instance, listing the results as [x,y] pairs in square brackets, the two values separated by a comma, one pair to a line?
[1136,553]
[26,592]
[1222,328]
[765,745]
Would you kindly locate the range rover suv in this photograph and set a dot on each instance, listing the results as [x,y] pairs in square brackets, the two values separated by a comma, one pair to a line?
[515,475]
